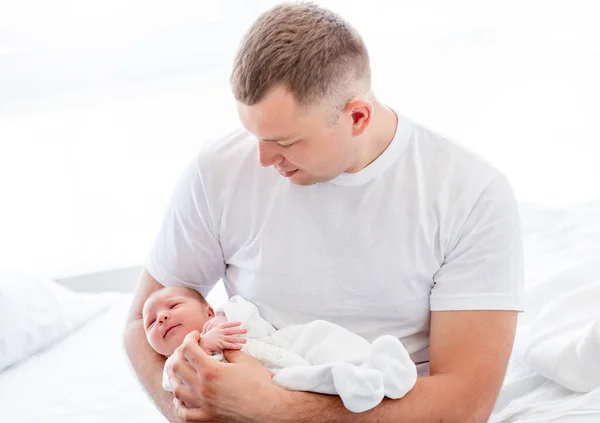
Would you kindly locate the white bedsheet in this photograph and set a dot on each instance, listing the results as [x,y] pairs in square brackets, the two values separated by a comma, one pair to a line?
[563,341]
[528,397]
[555,355]
[562,255]
[84,378]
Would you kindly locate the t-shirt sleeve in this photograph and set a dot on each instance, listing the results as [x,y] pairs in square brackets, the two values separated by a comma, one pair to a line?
[484,269]
[187,251]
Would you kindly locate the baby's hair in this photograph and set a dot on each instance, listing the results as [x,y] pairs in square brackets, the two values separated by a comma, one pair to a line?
[198,295]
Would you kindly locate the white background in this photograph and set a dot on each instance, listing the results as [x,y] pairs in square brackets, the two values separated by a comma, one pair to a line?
[102,103]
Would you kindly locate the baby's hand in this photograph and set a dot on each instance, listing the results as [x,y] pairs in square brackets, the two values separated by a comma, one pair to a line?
[223,337]
[214,322]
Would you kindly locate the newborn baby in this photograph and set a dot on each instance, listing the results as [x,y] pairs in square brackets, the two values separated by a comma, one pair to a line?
[169,314]
[319,356]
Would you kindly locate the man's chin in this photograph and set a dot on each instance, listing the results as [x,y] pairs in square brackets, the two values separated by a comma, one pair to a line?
[303,182]
[303,179]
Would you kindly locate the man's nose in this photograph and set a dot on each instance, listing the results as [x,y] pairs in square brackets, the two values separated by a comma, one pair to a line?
[268,154]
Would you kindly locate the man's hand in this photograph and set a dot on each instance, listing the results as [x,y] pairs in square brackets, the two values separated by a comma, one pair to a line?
[210,391]
[223,336]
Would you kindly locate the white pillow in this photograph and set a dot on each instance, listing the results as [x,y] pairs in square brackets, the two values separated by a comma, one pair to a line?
[35,312]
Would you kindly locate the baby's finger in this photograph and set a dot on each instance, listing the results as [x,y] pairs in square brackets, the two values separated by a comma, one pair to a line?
[235,339]
[231,346]
[229,325]
[235,331]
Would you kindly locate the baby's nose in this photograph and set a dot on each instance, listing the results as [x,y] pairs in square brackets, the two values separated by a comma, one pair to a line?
[163,318]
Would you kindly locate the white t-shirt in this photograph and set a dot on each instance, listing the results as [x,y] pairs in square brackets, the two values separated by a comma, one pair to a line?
[428,226]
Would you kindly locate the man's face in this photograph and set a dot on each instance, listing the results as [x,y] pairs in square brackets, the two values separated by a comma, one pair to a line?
[170,314]
[299,141]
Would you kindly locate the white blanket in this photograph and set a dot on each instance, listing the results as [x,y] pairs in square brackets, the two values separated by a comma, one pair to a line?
[564,340]
[325,358]
[528,397]
[554,373]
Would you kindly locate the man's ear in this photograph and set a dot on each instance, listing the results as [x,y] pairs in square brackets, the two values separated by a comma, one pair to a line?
[361,113]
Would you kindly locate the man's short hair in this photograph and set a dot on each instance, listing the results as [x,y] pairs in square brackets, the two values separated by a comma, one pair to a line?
[312,51]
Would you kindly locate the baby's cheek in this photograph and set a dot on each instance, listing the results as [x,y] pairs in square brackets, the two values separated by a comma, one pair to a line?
[152,340]
[156,342]
[177,340]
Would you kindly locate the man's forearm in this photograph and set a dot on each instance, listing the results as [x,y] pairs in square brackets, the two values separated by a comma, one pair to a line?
[433,399]
[148,366]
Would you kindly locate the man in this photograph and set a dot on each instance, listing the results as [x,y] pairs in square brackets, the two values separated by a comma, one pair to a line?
[351,214]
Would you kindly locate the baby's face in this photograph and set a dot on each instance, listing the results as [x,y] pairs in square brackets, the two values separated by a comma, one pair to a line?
[170,314]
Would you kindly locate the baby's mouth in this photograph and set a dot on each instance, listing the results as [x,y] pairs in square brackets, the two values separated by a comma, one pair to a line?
[169,330]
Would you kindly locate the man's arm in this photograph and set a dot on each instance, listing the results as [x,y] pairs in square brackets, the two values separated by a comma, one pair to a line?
[469,354]
[147,363]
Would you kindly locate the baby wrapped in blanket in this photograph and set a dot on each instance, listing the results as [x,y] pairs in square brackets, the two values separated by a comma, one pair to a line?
[320,356]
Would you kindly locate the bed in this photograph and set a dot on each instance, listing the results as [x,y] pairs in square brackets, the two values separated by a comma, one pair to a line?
[83,375]
[81,378]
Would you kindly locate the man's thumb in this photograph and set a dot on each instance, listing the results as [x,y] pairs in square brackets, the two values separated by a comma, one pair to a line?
[234,356]
[238,357]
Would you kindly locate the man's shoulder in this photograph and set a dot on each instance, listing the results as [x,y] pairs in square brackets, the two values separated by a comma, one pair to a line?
[451,175]
[449,153]
[447,162]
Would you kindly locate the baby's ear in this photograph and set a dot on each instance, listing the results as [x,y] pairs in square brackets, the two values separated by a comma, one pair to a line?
[210,311]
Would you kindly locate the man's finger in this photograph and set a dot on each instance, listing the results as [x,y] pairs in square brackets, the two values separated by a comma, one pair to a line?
[231,346]
[191,414]
[233,356]
[236,356]
[196,356]
[179,368]
[185,393]
[192,337]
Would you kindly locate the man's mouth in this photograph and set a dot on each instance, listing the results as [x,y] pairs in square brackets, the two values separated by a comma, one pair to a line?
[288,173]
[169,330]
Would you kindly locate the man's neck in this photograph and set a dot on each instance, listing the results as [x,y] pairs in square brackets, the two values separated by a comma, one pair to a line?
[378,136]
